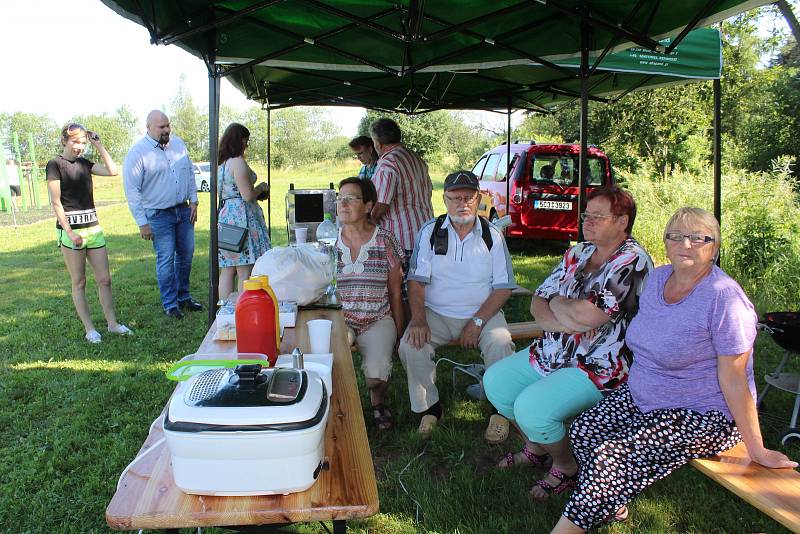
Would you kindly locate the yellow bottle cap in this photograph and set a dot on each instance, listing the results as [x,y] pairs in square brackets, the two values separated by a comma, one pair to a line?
[262,278]
[252,285]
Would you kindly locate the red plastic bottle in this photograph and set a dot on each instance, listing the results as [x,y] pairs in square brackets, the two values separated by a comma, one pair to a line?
[256,321]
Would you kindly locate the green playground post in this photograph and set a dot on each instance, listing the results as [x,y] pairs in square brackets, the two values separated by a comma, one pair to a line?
[22,200]
[34,171]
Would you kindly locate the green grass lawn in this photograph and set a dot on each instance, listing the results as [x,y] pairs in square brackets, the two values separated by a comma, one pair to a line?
[72,415]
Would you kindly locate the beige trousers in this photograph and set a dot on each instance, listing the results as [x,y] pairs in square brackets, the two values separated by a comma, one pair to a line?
[376,345]
[494,342]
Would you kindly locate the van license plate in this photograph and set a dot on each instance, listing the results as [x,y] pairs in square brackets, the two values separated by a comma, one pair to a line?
[552,205]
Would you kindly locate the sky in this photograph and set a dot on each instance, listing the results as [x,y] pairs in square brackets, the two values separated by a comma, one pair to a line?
[111,62]
[108,59]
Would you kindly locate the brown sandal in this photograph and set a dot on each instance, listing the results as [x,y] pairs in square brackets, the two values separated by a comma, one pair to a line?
[382,416]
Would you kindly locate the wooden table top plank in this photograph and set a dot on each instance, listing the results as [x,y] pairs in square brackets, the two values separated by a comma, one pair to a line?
[776,492]
[149,499]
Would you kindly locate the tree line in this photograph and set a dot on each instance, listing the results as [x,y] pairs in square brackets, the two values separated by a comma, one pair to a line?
[656,132]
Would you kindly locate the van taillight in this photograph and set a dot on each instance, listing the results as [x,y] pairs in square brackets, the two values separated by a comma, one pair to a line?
[517,198]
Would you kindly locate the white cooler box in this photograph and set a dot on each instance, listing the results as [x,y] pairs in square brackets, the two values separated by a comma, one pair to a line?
[247,431]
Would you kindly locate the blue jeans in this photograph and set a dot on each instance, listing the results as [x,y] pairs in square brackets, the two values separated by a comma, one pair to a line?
[173,241]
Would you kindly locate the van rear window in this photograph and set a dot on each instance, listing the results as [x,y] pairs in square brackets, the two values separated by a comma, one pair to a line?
[563,170]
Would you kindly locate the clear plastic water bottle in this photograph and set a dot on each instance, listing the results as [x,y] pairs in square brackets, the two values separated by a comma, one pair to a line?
[327,234]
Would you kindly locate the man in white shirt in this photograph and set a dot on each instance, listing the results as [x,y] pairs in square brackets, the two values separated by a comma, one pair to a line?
[162,197]
[460,276]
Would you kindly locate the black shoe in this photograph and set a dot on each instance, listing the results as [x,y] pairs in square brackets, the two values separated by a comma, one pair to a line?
[191,305]
[174,313]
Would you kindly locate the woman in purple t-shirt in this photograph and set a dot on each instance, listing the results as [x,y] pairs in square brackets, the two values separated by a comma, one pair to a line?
[690,392]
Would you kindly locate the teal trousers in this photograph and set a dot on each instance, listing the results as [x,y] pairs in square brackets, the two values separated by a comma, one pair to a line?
[539,404]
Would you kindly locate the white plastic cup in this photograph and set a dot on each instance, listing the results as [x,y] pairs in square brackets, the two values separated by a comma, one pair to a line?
[300,234]
[319,334]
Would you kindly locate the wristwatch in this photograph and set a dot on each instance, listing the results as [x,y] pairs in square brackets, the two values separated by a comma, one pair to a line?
[478,322]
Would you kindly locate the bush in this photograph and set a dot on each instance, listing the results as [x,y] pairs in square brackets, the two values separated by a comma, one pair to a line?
[760,214]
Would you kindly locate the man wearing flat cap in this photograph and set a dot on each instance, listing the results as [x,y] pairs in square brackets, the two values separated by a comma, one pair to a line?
[459,277]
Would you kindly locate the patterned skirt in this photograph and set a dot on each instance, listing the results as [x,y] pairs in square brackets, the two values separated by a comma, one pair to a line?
[621,451]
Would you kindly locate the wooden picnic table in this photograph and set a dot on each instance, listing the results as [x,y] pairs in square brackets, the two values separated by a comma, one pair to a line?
[147,497]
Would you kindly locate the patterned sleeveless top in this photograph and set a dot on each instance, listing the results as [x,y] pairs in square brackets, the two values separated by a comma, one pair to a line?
[362,285]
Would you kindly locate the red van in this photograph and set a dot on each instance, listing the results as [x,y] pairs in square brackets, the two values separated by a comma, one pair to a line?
[543,189]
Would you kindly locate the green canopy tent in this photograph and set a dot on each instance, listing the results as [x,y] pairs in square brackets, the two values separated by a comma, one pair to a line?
[412,56]
[528,84]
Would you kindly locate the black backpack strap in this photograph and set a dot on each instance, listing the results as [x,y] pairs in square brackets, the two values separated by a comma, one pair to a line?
[439,236]
[486,232]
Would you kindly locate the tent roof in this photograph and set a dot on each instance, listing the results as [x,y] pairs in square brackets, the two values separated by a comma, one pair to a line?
[415,56]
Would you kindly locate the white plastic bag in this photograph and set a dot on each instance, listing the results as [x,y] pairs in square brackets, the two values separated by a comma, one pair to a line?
[298,273]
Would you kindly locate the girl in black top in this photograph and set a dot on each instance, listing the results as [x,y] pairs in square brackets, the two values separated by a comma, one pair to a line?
[69,180]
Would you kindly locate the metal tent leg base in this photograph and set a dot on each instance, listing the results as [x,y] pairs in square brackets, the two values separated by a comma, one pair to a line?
[476,371]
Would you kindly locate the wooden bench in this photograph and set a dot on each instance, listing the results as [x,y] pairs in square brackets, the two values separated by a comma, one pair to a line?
[520,330]
[776,492]
[522,292]
[523,330]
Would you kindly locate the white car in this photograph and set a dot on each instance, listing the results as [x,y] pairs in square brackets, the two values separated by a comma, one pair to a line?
[202,176]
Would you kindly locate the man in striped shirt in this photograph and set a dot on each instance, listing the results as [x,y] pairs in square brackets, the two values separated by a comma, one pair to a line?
[403,184]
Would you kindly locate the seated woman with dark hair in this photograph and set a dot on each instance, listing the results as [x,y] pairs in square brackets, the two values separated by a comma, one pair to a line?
[690,393]
[584,308]
[369,277]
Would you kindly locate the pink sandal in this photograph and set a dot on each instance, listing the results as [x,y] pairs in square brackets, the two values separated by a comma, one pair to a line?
[536,460]
[565,482]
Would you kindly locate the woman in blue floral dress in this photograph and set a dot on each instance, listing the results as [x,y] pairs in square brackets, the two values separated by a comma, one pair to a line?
[239,197]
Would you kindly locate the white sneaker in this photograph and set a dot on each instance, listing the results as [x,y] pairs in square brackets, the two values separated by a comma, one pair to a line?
[121,329]
[93,336]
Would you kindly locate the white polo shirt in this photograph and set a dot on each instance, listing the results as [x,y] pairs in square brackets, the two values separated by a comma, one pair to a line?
[458,283]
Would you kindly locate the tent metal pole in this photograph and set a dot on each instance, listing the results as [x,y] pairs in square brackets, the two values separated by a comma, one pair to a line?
[269,174]
[606,23]
[214,77]
[583,162]
[215,23]
[718,152]
[508,158]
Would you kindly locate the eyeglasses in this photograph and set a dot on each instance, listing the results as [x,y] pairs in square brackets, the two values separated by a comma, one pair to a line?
[694,239]
[347,199]
[594,217]
[463,199]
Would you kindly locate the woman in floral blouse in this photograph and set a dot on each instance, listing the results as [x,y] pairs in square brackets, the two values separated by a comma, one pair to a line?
[369,278]
[584,307]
